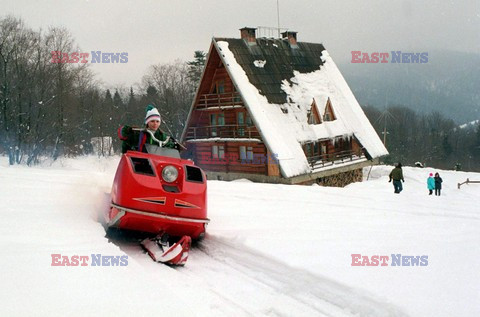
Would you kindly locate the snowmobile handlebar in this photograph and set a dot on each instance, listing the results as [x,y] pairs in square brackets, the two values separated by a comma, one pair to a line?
[162,143]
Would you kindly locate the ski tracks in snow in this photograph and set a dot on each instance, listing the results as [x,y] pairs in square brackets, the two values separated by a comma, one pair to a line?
[239,281]
[258,285]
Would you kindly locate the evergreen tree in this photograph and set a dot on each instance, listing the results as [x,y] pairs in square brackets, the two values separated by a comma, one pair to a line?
[195,67]
[446,146]
[117,101]
[476,144]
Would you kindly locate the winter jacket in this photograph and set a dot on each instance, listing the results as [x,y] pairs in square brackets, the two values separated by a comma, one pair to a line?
[438,182]
[396,174]
[431,183]
[136,140]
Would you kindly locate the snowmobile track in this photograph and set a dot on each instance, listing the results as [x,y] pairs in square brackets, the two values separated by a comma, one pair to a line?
[299,289]
[228,265]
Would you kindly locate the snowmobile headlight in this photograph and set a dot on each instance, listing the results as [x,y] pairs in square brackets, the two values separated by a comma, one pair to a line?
[169,173]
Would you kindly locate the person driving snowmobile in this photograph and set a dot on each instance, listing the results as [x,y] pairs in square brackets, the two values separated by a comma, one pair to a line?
[134,139]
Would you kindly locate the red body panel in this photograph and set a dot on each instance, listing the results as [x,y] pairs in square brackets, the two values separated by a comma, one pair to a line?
[141,203]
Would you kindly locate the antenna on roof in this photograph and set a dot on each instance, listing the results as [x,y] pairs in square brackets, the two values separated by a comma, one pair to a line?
[385,116]
[278,18]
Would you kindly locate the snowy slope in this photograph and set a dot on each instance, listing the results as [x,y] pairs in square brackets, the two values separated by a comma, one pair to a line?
[270,250]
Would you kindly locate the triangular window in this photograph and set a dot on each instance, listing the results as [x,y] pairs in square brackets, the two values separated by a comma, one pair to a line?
[329,115]
[313,115]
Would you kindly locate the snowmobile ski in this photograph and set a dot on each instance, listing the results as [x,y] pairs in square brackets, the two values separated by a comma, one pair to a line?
[161,251]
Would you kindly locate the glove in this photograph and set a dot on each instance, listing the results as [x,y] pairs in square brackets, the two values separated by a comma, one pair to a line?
[390,180]
[403,181]
[124,132]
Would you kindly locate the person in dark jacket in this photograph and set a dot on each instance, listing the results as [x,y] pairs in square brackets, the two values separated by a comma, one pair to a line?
[136,140]
[397,176]
[438,184]
[430,183]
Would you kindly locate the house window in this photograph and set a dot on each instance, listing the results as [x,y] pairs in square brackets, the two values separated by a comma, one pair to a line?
[312,116]
[338,144]
[218,151]
[216,119]
[221,152]
[249,153]
[221,119]
[249,121]
[308,149]
[316,149]
[324,149]
[246,153]
[218,87]
[241,123]
[236,97]
[221,87]
[240,118]
[243,153]
[329,114]
[213,124]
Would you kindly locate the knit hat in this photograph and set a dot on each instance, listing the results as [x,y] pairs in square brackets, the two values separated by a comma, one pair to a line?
[431,174]
[152,114]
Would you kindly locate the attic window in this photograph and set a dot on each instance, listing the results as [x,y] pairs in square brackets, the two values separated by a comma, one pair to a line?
[313,115]
[329,115]
[218,87]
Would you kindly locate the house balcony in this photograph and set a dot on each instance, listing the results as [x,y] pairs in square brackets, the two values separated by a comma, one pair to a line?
[328,159]
[233,131]
[219,101]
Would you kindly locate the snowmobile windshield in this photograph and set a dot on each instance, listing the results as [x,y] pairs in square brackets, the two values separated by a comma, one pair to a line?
[162,151]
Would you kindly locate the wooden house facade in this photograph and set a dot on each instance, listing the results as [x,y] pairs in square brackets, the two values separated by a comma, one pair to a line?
[243,122]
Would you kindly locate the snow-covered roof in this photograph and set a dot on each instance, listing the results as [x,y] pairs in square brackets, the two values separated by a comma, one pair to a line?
[280,97]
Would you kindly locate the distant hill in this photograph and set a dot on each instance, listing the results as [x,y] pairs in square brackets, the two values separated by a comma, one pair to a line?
[449,83]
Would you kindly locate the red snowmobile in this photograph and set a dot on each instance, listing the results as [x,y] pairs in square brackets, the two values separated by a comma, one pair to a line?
[159,193]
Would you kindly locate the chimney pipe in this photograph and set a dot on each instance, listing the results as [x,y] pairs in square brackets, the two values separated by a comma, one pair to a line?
[248,35]
[292,38]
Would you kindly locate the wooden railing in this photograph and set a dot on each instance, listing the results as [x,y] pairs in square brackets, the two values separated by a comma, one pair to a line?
[334,158]
[468,181]
[219,100]
[222,131]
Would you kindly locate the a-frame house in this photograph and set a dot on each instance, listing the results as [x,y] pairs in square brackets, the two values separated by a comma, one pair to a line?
[277,110]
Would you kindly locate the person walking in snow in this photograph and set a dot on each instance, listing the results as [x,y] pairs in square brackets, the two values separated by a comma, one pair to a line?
[430,184]
[135,140]
[438,184]
[397,176]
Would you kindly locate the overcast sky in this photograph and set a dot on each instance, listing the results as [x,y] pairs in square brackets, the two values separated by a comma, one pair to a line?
[160,31]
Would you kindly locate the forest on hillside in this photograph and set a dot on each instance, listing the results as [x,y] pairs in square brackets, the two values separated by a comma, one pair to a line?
[431,139]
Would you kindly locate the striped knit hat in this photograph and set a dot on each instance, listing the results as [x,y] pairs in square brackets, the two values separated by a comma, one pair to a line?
[152,114]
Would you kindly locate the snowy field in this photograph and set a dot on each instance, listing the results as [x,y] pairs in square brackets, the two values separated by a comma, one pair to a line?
[271,250]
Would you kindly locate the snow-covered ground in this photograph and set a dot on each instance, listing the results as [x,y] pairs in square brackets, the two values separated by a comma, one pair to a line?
[271,250]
